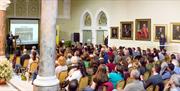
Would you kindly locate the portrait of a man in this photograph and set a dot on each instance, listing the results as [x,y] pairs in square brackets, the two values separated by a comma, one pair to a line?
[143,29]
[126,30]
[176,32]
[114,32]
[159,30]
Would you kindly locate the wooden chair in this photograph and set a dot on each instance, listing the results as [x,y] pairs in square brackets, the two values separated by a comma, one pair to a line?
[150,88]
[129,80]
[24,67]
[17,65]
[104,88]
[165,81]
[33,67]
[26,62]
[62,76]
[121,84]
[18,61]
[156,88]
[83,83]
[146,75]
[11,56]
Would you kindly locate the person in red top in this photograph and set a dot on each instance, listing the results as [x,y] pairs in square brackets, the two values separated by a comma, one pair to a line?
[110,64]
[110,52]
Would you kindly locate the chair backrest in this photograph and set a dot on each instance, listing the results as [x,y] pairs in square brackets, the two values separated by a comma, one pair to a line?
[11,56]
[18,60]
[121,84]
[62,76]
[33,67]
[156,88]
[129,80]
[104,88]
[83,83]
[26,62]
[150,88]
[165,81]
[146,75]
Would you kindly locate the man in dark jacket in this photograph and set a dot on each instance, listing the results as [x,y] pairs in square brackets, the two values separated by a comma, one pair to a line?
[162,41]
[9,39]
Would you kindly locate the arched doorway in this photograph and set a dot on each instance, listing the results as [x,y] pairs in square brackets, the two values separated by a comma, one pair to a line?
[86,28]
[101,27]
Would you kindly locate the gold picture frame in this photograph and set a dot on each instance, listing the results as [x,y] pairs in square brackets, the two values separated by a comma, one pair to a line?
[175,32]
[143,29]
[158,30]
[126,30]
[114,32]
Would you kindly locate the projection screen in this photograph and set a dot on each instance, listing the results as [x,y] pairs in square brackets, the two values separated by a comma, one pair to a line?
[26,29]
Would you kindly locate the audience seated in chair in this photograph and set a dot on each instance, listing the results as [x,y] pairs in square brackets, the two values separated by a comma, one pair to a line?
[156,78]
[136,84]
[116,76]
[61,65]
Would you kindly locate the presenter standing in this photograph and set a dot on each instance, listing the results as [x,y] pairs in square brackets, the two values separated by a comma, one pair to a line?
[162,41]
[9,40]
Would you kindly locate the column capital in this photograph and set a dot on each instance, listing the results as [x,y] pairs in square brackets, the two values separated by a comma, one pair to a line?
[4,4]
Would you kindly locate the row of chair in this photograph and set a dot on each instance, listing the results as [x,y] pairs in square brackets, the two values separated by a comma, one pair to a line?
[33,65]
[82,83]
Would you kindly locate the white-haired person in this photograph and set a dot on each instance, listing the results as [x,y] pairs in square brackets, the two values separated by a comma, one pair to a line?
[136,84]
[173,84]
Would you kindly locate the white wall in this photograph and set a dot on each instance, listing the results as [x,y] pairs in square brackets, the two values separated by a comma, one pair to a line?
[160,12]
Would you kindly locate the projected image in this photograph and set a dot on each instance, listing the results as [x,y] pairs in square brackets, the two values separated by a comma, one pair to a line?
[27,30]
[25,34]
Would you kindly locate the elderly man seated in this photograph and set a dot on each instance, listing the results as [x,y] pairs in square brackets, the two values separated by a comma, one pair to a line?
[135,85]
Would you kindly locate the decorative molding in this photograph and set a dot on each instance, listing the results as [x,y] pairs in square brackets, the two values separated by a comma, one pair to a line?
[31,9]
[66,10]
[4,4]
[21,8]
[24,8]
[10,8]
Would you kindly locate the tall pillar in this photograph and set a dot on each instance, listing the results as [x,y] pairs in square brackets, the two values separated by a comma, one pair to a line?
[46,79]
[3,5]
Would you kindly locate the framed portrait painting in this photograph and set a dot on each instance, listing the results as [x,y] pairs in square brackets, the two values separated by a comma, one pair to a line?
[159,29]
[143,29]
[126,31]
[114,32]
[175,32]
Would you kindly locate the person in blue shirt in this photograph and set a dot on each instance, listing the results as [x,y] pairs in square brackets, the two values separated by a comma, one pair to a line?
[169,71]
[116,76]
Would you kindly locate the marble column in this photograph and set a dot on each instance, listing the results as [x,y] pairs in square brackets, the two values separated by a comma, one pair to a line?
[46,79]
[3,5]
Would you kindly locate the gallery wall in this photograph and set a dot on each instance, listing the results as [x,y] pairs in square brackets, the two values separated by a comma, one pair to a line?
[159,11]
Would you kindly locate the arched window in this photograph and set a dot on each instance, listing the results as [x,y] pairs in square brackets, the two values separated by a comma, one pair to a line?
[102,21]
[87,19]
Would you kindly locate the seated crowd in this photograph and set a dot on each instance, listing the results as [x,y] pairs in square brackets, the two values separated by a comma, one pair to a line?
[84,67]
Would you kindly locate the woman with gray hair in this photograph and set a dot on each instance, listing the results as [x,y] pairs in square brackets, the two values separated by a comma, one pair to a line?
[173,84]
